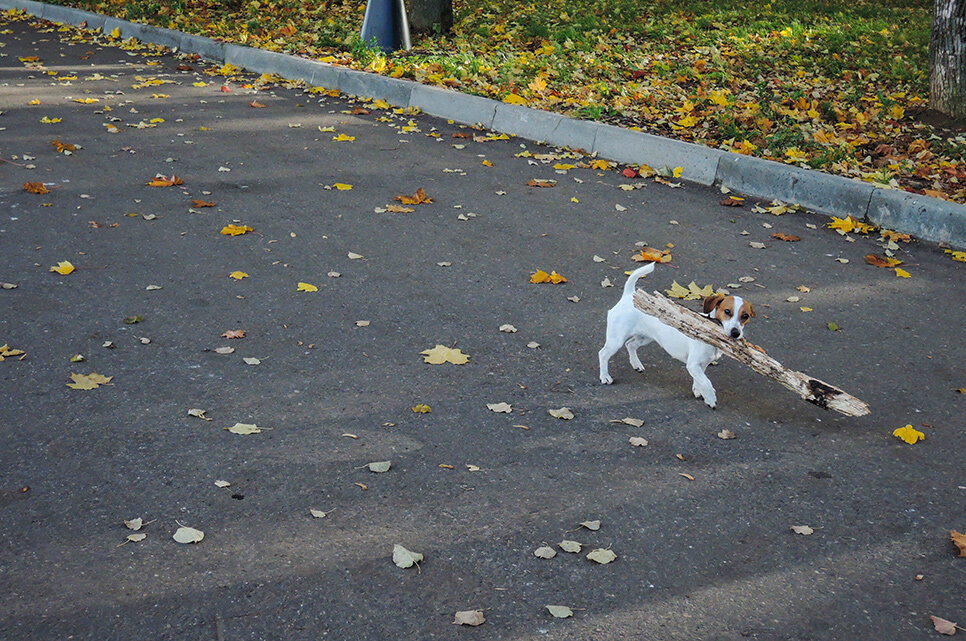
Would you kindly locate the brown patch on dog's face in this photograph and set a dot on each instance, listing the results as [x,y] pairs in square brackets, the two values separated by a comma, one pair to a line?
[746,313]
[725,310]
[711,302]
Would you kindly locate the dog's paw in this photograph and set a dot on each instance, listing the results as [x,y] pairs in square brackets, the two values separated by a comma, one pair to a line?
[711,402]
[638,368]
[605,379]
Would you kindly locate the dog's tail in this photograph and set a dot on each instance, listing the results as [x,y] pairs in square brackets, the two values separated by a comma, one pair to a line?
[632,279]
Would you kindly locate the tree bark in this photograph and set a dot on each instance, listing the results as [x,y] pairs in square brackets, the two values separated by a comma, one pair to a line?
[703,329]
[947,58]
[430,16]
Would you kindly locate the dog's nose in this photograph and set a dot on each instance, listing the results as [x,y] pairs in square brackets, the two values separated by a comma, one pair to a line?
[735,332]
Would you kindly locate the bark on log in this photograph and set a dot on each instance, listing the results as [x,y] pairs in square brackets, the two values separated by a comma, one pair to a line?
[704,329]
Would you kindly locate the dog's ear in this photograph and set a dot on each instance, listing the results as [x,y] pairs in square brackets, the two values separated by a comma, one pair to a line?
[711,302]
[751,310]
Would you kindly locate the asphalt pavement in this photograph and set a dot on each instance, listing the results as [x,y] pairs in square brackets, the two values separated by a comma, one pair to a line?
[701,525]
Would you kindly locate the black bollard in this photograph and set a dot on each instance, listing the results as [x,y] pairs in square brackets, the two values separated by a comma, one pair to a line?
[386,23]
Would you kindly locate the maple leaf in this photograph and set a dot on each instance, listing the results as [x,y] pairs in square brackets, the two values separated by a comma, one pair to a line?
[882,261]
[541,276]
[652,255]
[234,333]
[909,434]
[61,147]
[788,238]
[165,181]
[7,352]
[201,203]
[35,188]
[514,99]
[88,381]
[849,224]
[418,198]
[236,230]
[442,354]
[238,275]
[63,267]
[691,292]
[343,138]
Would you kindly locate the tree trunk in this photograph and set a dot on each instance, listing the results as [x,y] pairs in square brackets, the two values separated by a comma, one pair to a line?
[430,16]
[947,58]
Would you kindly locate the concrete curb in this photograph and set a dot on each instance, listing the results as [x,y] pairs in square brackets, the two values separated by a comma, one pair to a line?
[926,218]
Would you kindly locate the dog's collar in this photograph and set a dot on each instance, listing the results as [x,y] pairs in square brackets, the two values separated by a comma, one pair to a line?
[713,318]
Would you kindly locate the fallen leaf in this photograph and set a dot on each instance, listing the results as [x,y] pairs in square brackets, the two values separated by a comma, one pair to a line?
[319,514]
[222,484]
[201,203]
[882,261]
[959,540]
[342,186]
[469,617]
[563,412]
[198,413]
[602,556]
[901,273]
[756,245]
[244,428]
[788,238]
[533,344]
[133,320]
[909,434]
[134,524]
[591,525]
[943,626]
[509,329]
[188,535]
[307,287]
[422,409]
[833,327]
[165,181]
[343,138]
[442,354]
[545,552]
[354,256]
[135,538]
[399,209]
[234,333]
[362,323]
[238,275]
[539,182]
[256,104]
[379,466]
[224,350]
[500,408]
[560,611]
[652,255]
[88,381]
[804,530]
[63,267]
[637,441]
[633,422]
[733,201]
[235,230]
[606,282]
[541,276]
[405,558]
[726,434]
[569,546]
[793,299]
[418,198]
[251,360]
[687,476]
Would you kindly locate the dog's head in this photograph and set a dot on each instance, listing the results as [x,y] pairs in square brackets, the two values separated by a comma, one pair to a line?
[731,312]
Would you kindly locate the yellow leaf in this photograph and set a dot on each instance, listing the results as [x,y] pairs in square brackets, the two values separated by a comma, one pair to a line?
[677,171]
[540,276]
[156,120]
[537,85]
[487,163]
[563,167]
[573,199]
[602,164]
[380,104]
[796,154]
[63,267]
[342,186]
[88,381]
[200,84]
[687,121]
[238,275]
[343,138]
[556,278]
[909,434]
[960,256]
[86,101]
[116,33]
[50,121]
[35,101]
[514,99]
[901,273]
[236,230]
[422,409]
[306,287]
[442,354]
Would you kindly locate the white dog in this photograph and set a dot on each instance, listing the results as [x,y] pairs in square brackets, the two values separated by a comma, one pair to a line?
[629,327]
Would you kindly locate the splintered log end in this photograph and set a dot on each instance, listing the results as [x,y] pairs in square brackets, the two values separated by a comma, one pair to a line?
[828,397]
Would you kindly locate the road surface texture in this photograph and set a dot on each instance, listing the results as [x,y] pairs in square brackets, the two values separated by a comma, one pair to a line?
[701,525]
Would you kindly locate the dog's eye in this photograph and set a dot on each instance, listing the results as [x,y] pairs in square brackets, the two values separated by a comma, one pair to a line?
[728,312]
[744,317]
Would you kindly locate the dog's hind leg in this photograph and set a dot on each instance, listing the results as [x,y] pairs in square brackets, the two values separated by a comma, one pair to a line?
[611,347]
[632,345]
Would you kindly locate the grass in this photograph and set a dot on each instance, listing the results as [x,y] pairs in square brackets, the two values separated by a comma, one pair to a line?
[834,85]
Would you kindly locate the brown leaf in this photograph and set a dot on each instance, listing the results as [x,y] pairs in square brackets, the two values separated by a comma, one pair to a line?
[359,111]
[943,626]
[629,173]
[256,104]
[788,238]
[35,188]
[234,333]
[201,203]
[959,540]
[418,198]
[882,261]
[539,182]
[652,255]
[462,134]
[399,209]
[165,181]
[732,201]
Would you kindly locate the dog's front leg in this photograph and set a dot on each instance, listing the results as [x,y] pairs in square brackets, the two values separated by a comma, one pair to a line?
[702,386]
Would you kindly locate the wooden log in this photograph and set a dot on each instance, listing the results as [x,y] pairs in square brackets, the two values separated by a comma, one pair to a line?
[705,330]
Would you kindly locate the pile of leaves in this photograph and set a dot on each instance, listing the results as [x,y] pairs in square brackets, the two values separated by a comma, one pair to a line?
[833,85]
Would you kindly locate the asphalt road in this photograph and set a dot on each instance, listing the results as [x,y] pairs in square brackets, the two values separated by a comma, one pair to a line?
[708,558]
